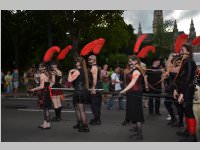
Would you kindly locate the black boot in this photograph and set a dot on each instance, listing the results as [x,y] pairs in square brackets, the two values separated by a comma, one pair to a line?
[139,135]
[78,125]
[172,121]
[56,117]
[84,128]
[59,113]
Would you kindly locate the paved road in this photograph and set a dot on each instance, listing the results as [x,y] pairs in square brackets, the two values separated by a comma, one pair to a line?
[20,118]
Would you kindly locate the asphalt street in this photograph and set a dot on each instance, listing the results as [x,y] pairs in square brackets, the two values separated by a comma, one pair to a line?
[21,116]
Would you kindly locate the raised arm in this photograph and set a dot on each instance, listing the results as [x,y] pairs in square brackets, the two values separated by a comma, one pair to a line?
[73,74]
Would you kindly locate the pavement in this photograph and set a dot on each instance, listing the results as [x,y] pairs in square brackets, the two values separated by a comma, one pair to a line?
[20,118]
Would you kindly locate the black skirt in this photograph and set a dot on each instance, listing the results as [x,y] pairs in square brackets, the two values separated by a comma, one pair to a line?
[45,100]
[134,109]
[81,96]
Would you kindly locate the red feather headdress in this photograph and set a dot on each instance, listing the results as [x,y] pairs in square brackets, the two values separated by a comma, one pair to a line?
[139,42]
[144,52]
[196,41]
[50,52]
[180,40]
[64,52]
[94,46]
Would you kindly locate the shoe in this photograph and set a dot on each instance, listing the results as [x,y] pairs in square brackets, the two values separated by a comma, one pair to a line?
[168,117]
[77,126]
[172,122]
[40,126]
[46,128]
[92,122]
[179,125]
[182,133]
[84,128]
[55,119]
[125,122]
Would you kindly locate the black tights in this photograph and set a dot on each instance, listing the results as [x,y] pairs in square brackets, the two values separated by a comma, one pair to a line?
[80,113]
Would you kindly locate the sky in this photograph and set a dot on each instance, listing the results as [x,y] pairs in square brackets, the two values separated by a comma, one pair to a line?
[183,18]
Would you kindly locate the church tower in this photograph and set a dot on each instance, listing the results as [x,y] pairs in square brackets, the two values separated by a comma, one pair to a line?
[157,20]
[192,34]
[139,29]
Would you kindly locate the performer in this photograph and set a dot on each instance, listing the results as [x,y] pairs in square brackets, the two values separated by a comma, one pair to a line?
[184,92]
[77,77]
[170,75]
[56,94]
[134,90]
[95,83]
[45,77]
[153,78]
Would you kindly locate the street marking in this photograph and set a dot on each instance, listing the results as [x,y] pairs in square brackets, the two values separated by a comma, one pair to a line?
[39,110]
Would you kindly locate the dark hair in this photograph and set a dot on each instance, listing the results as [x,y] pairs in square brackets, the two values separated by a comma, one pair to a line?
[135,58]
[189,48]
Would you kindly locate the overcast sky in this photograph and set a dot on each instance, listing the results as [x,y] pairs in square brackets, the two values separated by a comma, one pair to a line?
[183,18]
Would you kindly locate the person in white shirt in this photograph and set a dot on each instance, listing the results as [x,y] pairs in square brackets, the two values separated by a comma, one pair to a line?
[116,81]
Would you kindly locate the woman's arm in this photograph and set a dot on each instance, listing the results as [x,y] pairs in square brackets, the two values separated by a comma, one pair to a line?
[73,74]
[41,84]
[135,76]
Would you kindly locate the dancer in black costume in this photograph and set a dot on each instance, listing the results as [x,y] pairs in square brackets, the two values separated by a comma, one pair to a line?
[56,94]
[134,110]
[184,92]
[45,77]
[77,77]
[95,83]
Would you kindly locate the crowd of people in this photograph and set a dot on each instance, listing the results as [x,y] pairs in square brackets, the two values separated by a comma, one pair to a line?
[178,77]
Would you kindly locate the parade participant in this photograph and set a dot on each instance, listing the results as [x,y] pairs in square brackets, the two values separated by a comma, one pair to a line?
[171,72]
[77,77]
[95,83]
[56,94]
[133,91]
[117,82]
[45,77]
[196,107]
[126,71]
[153,78]
[184,91]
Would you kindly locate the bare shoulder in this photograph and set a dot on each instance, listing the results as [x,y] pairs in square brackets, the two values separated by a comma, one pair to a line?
[136,73]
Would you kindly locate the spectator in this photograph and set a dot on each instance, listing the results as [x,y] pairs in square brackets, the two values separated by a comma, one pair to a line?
[15,77]
[105,81]
[2,81]
[8,83]
[117,80]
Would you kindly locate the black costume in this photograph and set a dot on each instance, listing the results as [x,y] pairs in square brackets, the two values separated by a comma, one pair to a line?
[155,87]
[47,101]
[57,85]
[185,84]
[80,95]
[169,88]
[96,99]
[134,106]
[57,93]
